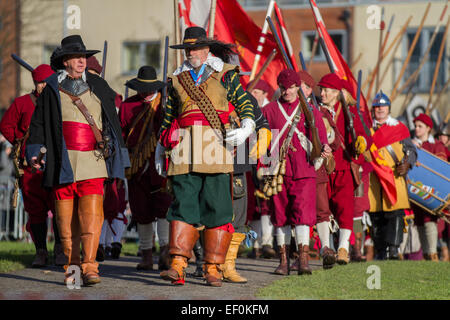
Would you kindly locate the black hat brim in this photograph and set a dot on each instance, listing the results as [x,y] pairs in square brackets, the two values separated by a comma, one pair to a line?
[88,53]
[201,43]
[140,86]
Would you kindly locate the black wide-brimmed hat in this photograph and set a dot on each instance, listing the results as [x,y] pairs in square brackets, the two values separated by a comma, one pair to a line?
[70,45]
[145,81]
[195,37]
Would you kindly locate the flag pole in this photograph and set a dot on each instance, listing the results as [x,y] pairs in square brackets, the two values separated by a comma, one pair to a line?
[177,32]
[263,69]
[438,64]
[285,36]
[262,39]
[411,49]
[212,18]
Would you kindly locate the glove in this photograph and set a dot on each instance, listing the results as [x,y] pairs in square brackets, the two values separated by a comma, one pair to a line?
[238,136]
[260,147]
[402,169]
[160,159]
[360,144]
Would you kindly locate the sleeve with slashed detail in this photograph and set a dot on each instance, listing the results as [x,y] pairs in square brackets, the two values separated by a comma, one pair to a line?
[238,97]
[171,110]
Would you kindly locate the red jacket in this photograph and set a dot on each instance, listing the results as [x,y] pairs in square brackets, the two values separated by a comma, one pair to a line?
[297,165]
[17,118]
[342,161]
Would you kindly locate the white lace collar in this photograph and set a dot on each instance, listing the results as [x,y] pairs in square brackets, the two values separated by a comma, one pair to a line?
[390,122]
[213,62]
[62,74]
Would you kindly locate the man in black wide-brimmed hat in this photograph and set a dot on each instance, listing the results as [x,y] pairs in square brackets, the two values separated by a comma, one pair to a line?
[201,92]
[140,117]
[76,121]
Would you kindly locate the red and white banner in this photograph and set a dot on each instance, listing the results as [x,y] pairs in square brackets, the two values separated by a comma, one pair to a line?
[285,37]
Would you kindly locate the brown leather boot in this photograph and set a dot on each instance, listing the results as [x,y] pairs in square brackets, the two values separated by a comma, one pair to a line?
[283,268]
[296,265]
[229,267]
[303,260]
[146,260]
[182,240]
[268,252]
[355,255]
[434,257]
[217,242]
[90,214]
[69,230]
[41,259]
[328,258]
[342,256]
[164,258]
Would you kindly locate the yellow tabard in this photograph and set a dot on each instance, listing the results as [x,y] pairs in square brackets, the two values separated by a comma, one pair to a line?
[85,164]
[201,148]
[377,197]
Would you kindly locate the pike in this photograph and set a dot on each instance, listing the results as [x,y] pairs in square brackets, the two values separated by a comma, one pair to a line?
[105,53]
[22,62]
[358,100]
[280,45]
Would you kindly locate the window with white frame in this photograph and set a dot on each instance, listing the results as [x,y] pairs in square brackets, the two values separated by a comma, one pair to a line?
[423,83]
[340,40]
[138,54]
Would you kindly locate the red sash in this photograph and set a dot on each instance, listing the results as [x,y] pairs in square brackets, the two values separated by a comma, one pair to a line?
[78,136]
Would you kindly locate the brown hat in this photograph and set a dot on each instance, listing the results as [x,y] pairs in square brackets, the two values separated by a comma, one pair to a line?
[306,78]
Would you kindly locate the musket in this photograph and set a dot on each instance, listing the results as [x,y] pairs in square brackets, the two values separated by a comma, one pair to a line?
[164,91]
[263,69]
[302,61]
[358,100]
[22,62]
[105,53]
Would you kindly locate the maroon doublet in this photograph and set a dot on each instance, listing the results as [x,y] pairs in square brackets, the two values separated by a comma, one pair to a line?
[14,125]
[147,201]
[296,203]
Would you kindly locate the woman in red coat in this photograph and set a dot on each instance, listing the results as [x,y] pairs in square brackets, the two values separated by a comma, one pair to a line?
[426,222]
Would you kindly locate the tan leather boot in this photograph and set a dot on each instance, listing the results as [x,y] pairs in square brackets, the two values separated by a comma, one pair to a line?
[69,230]
[217,242]
[303,260]
[229,267]
[434,257]
[342,256]
[90,215]
[181,242]
[283,268]
[146,260]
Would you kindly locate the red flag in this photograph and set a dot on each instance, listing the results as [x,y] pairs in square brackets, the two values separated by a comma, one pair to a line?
[340,66]
[233,25]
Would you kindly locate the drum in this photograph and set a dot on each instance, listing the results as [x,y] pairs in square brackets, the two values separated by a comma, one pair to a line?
[429,184]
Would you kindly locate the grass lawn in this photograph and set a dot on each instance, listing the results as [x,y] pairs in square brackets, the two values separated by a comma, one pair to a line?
[19,255]
[402,280]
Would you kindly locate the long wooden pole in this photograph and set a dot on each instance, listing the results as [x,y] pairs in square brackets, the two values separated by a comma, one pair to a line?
[262,39]
[212,18]
[177,32]
[380,52]
[411,49]
[395,43]
[438,97]
[415,75]
[438,64]
[263,69]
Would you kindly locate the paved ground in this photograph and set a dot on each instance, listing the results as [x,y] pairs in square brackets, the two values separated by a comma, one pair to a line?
[121,280]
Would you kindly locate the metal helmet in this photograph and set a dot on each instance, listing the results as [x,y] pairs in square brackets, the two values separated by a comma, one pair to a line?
[381,100]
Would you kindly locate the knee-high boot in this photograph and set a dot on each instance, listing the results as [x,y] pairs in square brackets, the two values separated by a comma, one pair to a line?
[90,215]
[69,230]
[229,267]
[217,242]
[182,237]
